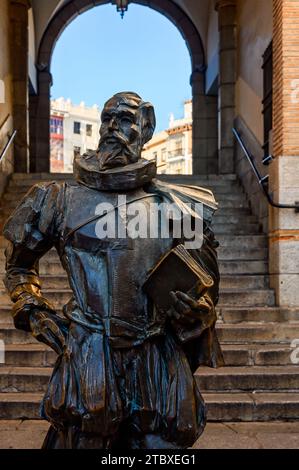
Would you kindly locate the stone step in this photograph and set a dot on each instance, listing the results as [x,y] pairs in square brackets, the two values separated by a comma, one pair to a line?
[47,175]
[254,332]
[231,201]
[220,218]
[24,379]
[55,282]
[220,406]
[247,297]
[24,178]
[233,315]
[227,204]
[235,229]
[243,267]
[233,379]
[11,336]
[243,241]
[28,355]
[273,354]
[42,176]
[245,253]
[228,267]
[226,282]
[15,193]
[241,333]
[224,253]
[20,405]
[244,281]
[234,297]
[278,378]
[57,296]
[260,354]
[236,241]
[252,406]
[227,314]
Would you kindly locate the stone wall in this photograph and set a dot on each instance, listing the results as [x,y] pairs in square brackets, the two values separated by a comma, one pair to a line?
[254,34]
[258,202]
[6,111]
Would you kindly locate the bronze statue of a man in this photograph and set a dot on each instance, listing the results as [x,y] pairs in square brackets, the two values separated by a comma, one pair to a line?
[123,377]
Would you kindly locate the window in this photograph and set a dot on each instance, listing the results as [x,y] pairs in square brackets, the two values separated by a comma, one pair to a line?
[77,127]
[163,155]
[155,156]
[89,130]
[267,101]
[77,150]
[56,125]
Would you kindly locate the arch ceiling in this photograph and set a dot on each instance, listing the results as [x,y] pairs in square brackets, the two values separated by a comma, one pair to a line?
[44,10]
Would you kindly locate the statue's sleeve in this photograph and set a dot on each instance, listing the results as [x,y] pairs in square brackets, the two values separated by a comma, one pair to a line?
[200,342]
[31,231]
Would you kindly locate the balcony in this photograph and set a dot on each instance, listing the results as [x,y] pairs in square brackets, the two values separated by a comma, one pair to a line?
[179,152]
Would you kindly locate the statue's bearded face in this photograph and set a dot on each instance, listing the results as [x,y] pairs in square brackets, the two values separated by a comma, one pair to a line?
[121,135]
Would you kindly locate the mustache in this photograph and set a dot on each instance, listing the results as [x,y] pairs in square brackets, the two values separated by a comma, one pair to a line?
[119,139]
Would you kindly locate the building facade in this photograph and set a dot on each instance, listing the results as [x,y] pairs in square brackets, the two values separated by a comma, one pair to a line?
[172,148]
[73,129]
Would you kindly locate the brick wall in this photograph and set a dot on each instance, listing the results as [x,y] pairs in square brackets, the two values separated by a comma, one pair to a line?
[286,77]
[284,171]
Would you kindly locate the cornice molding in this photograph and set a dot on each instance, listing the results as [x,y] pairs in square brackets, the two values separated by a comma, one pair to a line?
[224,3]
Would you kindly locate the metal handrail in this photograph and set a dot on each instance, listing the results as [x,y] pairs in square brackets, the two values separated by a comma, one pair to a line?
[262,180]
[8,144]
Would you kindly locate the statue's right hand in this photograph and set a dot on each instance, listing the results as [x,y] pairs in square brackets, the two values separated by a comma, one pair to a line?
[46,330]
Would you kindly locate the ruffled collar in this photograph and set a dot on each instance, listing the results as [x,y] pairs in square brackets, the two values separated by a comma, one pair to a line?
[128,177]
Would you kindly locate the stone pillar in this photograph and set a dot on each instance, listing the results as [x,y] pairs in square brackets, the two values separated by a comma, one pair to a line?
[284,170]
[40,124]
[204,132]
[19,64]
[226,83]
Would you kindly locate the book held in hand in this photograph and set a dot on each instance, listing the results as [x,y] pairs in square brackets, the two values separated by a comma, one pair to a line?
[177,270]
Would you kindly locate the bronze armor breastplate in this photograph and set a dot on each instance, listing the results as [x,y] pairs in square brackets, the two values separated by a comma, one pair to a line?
[107,274]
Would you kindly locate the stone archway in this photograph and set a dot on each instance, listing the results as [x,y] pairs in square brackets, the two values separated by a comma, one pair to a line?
[204,108]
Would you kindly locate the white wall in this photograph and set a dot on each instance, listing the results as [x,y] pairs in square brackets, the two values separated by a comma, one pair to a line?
[255,27]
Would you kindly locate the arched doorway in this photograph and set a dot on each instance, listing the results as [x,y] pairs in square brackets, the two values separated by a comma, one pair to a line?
[204,146]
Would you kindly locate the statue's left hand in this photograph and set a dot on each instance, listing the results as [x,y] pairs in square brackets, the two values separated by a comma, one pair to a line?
[188,310]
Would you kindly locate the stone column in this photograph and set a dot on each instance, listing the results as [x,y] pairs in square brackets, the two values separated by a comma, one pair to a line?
[204,131]
[284,170]
[19,64]
[227,81]
[40,124]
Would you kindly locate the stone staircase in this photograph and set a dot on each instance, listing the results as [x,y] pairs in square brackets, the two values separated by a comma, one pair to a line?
[259,382]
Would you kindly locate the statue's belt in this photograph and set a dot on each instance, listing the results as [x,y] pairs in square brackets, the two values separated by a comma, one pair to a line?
[99,216]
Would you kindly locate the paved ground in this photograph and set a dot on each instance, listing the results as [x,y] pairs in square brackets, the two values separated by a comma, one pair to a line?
[30,435]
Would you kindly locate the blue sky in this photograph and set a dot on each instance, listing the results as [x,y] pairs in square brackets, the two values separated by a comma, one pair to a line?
[100,54]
